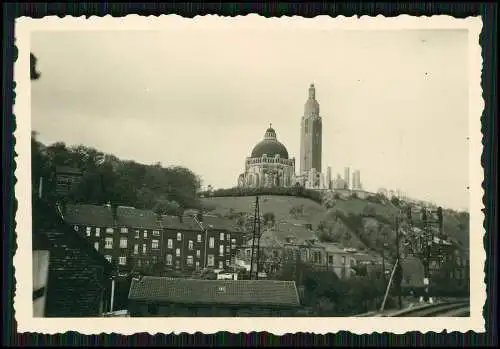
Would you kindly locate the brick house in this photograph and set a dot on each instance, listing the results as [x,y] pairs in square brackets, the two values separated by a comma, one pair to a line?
[74,279]
[160,296]
[132,238]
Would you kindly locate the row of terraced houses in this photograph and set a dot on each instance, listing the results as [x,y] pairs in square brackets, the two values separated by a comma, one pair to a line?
[132,238]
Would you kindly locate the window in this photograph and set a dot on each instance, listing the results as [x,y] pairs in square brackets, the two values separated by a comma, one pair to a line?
[330,259]
[110,230]
[317,257]
[124,230]
[96,246]
[123,242]
[108,258]
[210,261]
[122,260]
[343,260]
[228,236]
[198,253]
[139,263]
[227,262]
[221,265]
[108,243]
[144,249]
[189,260]
[155,259]
[211,242]
[145,235]
[137,233]
[97,232]
[197,264]
[170,243]
[88,230]
[228,249]
[75,227]
[221,250]
[136,249]
[156,233]
[155,244]
[190,244]
[169,259]
[179,236]
[198,238]
[233,241]
[177,252]
[221,237]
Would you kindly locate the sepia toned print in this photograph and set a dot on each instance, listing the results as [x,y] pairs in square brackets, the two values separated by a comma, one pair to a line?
[249,174]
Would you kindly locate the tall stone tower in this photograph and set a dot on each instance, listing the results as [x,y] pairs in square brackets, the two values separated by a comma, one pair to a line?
[311,135]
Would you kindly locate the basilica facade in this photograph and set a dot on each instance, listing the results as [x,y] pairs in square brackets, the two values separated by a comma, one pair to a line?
[268,165]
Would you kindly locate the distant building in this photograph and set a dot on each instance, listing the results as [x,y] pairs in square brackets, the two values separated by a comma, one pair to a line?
[339,183]
[134,239]
[70,278]
[66,179]
[155,296]
[356,180]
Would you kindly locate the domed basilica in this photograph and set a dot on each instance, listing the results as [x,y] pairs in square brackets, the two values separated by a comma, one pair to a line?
[268,165]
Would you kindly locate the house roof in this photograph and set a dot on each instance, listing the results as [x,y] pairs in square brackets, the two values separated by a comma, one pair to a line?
[229,292]
[88,214]
[138,218]
[46,218]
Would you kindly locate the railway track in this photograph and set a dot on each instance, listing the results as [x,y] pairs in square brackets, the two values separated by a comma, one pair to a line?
[443,308]
[447,309]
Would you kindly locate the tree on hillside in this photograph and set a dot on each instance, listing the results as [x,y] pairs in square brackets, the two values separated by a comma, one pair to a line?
[329,199]
[395,201]
[164,206]
[269,218]
[119,182]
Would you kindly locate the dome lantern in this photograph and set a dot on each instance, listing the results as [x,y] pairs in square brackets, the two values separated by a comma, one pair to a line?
[270,146]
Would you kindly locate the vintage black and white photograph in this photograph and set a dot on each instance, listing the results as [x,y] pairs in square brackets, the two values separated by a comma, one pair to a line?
[252,168]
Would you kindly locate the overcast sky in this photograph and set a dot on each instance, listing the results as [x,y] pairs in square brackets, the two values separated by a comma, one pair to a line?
[394,103]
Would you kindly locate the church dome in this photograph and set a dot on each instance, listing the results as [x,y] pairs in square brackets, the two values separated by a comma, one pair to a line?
[270,146]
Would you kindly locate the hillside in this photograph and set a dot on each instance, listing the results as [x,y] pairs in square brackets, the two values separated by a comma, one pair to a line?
[301,211]
[283,207]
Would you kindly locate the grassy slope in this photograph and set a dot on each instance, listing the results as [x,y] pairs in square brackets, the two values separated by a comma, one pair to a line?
[279,205]
[313,212]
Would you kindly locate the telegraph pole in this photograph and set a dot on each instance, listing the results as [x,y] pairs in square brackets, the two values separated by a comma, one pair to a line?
[427,253]
[399,271]
[255,241]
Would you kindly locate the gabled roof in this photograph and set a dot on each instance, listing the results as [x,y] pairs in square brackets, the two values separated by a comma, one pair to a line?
[46,218]
[224,292]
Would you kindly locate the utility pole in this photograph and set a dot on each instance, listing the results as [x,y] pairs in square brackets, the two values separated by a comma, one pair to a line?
[399,271]
[427,242]
[254,262]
